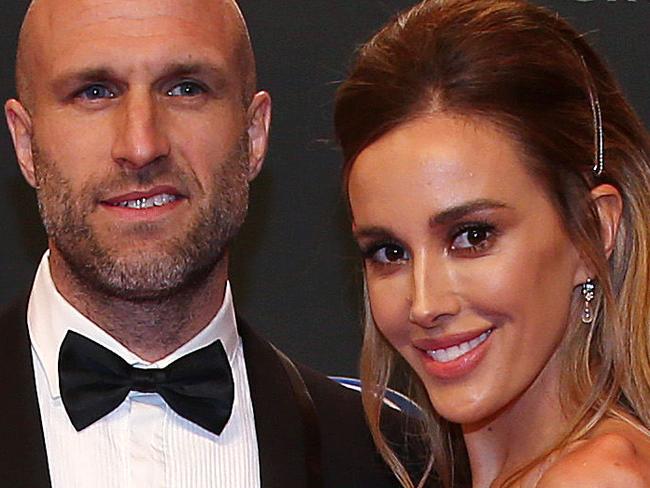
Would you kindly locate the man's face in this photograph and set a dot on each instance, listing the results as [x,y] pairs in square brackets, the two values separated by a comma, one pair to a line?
[139,139]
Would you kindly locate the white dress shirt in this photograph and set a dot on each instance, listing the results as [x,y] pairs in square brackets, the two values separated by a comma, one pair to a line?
[143,443]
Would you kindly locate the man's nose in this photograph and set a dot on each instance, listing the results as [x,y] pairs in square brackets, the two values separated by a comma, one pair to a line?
[141,136]
[434,297]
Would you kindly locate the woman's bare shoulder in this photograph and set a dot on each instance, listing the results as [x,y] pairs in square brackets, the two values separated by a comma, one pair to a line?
[616,455]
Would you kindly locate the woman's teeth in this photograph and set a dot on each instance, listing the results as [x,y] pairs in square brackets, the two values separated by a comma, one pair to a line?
[143,203]
[454,352]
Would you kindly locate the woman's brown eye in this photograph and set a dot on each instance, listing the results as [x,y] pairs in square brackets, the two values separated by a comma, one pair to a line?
[476,236]
[394,253]
[472,238]
[390,253]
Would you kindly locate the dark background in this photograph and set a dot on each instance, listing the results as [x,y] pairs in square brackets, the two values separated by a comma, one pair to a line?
[294,268]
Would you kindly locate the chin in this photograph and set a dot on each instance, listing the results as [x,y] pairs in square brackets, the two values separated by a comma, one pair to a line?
[148,273]
[466,408]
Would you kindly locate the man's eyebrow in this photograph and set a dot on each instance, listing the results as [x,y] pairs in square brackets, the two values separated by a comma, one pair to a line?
[84,75]
[457,212]
[195,68]
[104,73]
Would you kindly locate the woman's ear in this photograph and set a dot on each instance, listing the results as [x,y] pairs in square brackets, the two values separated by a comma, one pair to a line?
[609,204]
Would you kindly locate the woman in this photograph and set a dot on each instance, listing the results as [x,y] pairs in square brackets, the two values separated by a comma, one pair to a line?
[499,187]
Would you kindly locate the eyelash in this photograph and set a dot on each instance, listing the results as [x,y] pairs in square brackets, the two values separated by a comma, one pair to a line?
[369,253]
[479,226]
[84,91]
[188,83]
[100,86]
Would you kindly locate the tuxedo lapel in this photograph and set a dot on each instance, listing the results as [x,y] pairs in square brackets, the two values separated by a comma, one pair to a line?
[278,423]
[23,459]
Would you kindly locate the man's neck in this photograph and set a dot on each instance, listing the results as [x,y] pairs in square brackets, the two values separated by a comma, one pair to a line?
[151,329]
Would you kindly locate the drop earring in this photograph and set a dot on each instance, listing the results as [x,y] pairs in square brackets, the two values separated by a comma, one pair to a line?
[588,294]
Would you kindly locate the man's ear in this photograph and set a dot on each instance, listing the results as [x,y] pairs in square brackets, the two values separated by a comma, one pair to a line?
[20,126]
[609,205]
[259,123]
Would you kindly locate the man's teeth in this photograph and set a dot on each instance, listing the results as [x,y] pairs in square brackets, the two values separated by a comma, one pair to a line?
[454,352]
[143,203]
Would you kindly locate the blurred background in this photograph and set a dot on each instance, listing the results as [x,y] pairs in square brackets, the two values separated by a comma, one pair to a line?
[295,271]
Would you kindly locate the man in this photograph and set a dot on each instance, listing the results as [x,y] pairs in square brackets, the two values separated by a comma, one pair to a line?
[138,125]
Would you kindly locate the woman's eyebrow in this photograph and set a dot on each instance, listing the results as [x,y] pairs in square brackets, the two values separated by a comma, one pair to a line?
[372,232]
[457,212]
[444,217]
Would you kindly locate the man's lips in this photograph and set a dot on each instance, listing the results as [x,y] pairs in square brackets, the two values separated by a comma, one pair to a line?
[155,197]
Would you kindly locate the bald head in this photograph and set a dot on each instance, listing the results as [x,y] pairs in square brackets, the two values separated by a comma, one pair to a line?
[45,18]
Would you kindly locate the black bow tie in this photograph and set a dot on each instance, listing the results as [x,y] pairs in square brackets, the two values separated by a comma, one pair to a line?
[94,381]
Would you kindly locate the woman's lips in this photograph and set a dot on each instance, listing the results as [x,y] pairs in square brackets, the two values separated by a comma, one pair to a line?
[454,356]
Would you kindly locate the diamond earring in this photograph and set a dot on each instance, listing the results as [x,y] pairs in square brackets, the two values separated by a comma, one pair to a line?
[588,294]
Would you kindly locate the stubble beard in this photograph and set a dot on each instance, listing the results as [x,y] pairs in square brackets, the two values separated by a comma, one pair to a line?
[180,262]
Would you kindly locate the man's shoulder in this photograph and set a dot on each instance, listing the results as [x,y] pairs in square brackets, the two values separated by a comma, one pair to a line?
[341,412]
[323,388]
[265,368]
[13,327]
[350,457]
[332,400]
[14,311]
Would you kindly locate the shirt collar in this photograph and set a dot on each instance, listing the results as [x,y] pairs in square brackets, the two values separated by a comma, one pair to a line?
[50,316]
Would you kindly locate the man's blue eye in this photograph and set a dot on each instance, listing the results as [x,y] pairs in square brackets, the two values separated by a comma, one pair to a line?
[186,89]
[95,92]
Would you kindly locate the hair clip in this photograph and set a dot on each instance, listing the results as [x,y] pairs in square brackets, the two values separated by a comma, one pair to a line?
[599,136]
[599,133]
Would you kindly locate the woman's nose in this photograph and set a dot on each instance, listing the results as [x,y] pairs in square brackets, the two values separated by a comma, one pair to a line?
[434,295]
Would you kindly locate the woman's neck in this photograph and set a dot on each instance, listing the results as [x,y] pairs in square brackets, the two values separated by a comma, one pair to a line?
[518,433]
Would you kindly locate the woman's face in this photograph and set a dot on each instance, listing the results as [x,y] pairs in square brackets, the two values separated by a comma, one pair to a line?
[470,271]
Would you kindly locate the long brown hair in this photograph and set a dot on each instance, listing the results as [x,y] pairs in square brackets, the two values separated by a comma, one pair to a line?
[526,70]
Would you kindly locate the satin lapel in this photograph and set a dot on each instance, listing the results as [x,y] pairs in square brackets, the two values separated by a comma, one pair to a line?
[23,460]
[277,417]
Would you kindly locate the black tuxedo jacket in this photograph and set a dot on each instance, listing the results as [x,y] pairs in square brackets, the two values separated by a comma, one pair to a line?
[349,459]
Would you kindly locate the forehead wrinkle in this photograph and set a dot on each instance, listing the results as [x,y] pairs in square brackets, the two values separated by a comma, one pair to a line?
[142,26]
[104,9]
